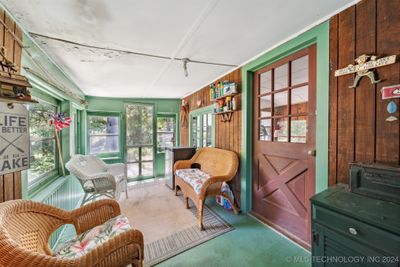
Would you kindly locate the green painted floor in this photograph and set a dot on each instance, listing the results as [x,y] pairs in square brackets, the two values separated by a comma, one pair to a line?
[250,244]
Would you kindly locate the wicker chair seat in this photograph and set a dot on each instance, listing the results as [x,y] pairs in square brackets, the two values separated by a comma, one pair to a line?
[194,177]
[90,239]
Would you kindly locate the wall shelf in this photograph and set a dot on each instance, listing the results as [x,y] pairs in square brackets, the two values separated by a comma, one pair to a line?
[224,96]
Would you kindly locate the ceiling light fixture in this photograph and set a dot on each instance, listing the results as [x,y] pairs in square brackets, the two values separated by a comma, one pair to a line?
[185,70]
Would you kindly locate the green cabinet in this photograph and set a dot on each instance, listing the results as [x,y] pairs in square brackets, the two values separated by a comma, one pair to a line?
[354,230]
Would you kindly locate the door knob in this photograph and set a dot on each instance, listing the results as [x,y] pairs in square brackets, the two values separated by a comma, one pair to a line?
[312,152]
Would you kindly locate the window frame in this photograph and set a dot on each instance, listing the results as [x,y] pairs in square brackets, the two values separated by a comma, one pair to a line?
[117,155]
[272,93]
[197,113]
[49,176]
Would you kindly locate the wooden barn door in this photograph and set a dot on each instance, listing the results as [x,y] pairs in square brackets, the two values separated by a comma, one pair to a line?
[284,144]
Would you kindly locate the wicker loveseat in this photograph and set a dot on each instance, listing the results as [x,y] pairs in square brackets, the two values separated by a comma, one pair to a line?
[203,175]
[25,228]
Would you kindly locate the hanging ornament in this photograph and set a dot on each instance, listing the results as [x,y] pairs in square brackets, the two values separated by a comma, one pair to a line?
[391,108]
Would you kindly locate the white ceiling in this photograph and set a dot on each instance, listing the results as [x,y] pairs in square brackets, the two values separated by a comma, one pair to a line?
[222,31]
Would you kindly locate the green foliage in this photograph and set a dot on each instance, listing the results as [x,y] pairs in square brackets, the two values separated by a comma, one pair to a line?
[139,124]
[42,136]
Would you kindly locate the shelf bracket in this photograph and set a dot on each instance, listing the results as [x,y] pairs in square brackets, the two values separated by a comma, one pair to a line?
[226,117]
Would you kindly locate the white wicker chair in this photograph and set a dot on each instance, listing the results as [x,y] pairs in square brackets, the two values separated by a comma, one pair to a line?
[98,178]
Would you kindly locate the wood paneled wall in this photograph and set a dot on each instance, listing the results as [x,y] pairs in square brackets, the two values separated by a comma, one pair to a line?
[358,127]
[228,135]
[10,184]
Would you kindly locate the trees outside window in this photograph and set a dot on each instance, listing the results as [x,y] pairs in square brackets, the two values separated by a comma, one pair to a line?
[139,140]
[43,143]
[103,134]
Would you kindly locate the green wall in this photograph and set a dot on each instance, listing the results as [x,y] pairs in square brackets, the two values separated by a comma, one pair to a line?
[318,35]
[117,105]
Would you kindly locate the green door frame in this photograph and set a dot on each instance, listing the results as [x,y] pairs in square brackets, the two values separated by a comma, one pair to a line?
[318,35]
[198,112]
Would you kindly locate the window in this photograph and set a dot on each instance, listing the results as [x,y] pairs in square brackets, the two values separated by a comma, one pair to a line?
[43,142]
[103,134]
[139,140]
[202,127]
[165,132]
[283,102]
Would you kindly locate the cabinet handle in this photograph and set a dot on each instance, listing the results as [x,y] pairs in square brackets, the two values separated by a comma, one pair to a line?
[353,231]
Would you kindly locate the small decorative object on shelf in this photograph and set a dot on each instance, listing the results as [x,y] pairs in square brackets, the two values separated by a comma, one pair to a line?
[13,87]
[223,94]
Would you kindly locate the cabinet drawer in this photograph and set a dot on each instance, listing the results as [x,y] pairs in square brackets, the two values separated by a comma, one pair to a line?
[359,231]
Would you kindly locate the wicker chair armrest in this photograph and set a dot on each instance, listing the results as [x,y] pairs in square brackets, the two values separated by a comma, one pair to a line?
[128,241]
[182,164]
[93,214]
[213,181]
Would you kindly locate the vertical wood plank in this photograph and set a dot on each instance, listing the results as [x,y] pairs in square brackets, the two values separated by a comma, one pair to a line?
[17,185]
[333,99]
[346,95]
[8,184]
[365,92]
[17,48]
[1,188]
[388,43]
[8,39]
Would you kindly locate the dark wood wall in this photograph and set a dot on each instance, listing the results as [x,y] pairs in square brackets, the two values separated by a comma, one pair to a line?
[10,184]
[228,135]
[358,127]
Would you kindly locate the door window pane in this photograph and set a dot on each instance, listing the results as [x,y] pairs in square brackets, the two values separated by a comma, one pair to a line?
[147,153]
[265,106]
[281,77]
[265,82]
[165,132]
[281,129]
[139,124]
[280,103]
[265,130]
[132,154]
[147,168]
[139,138]
[298,129]
[299,99]
[300,70]
[133,169]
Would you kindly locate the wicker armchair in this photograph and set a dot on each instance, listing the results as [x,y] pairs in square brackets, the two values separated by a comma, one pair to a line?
[98,178]
[25,228]
[220,164]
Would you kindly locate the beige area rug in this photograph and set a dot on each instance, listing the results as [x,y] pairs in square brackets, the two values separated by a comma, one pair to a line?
[168,228]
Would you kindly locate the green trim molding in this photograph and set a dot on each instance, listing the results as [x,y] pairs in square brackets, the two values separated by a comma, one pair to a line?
[318,35]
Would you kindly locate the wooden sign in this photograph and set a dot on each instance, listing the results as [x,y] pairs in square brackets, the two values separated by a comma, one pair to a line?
[14,138]
[363,68]
[392,91]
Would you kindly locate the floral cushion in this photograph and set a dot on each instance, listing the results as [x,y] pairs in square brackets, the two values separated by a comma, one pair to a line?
[85,242]
[194,177]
